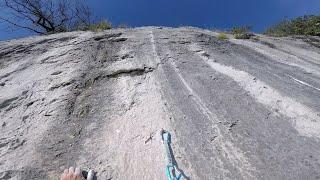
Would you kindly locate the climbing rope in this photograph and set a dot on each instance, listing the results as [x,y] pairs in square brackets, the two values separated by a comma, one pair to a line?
[172,172]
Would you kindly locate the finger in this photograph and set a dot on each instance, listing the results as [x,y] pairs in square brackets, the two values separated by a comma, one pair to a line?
[64,174]
[90,175]
[77,172]
[71,170]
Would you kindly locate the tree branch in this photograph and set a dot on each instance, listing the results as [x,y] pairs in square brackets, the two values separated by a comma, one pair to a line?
[47,15]
[21,26]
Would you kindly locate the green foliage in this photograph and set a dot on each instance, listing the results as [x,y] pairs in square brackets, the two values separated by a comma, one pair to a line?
[304,25]
[283,28]
[222,36]
[243,36]
[97,27]
[256,38]
[242,32]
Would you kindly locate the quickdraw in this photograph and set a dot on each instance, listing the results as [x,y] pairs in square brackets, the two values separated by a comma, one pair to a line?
[172,172]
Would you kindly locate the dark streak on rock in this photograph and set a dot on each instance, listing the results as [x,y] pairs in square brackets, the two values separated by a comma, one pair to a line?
[7,102]
[118,39]
[107,36]
[17,143]
[64,84]
[56,73]
[130,72]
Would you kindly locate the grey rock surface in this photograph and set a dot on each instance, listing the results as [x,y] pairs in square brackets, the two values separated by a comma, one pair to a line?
[236,109]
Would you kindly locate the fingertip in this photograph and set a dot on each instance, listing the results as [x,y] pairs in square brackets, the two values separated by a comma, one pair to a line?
[77,171]
[71,169]
[66,171]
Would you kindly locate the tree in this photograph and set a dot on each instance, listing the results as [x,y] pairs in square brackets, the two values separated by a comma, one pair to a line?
[304,25]
[45,16]
[283,28]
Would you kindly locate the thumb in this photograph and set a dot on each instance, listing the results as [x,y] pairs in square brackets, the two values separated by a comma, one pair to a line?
[90,175]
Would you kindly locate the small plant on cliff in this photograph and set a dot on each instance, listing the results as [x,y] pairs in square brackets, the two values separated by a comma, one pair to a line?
[222,36]
[99,26]
[242,32]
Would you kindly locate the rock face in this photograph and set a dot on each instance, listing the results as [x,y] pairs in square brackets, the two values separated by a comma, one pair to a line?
[236,109]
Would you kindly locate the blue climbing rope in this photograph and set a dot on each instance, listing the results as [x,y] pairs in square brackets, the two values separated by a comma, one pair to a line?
[172,172]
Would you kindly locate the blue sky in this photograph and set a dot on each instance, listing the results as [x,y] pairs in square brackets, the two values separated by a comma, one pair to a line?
[220,14]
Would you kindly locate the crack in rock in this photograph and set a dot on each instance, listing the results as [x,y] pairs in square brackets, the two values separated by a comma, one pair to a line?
[7,102]
[130,72]
[107,36]
[64,84]
[118,39]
